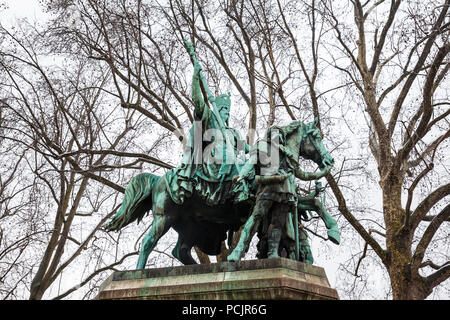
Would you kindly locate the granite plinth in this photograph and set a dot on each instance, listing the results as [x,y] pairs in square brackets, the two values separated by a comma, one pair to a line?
[264,279]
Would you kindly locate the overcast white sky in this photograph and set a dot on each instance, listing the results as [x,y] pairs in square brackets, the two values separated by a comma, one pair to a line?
[20,9]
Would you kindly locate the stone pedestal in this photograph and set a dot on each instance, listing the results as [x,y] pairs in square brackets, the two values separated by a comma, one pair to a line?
[244,280]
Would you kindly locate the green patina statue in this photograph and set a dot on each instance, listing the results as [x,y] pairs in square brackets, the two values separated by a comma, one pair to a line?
[297,246]
[277,202]
[209,170]
[212,194]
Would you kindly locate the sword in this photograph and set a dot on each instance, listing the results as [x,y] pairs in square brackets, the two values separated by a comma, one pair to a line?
[297,244]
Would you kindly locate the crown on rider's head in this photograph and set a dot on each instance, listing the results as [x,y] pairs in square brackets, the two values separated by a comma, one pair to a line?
[223,101]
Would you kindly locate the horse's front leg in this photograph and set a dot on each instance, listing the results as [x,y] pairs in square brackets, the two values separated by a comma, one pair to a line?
[332,227]
[248,231]
[333,231]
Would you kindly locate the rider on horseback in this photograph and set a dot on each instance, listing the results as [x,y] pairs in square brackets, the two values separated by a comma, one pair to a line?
[197,200]
[207,168]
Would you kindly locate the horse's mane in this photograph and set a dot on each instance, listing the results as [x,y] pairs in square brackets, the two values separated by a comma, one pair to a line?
[285,131]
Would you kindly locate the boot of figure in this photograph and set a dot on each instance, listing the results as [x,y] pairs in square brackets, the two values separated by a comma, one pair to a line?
[274,242]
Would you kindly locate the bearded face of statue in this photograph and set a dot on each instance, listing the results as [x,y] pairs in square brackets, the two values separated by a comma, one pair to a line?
[224,114]
[223,104]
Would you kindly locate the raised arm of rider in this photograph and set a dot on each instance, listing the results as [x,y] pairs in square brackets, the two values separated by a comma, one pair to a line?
[197,97]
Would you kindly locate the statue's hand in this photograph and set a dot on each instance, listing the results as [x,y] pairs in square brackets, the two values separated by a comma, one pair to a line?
[328,161]
[189,46]
[318,186]
[191,50]
[326,170]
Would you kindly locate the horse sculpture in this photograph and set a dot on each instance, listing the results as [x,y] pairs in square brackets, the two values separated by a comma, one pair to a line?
[275,214]
[197,223]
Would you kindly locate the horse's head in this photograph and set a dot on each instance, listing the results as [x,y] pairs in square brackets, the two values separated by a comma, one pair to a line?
[312,147]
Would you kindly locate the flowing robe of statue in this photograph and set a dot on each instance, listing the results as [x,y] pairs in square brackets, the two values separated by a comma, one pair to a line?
[207,167]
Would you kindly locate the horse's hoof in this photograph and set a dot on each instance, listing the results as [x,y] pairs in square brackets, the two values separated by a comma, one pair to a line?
[334,235]
[233,258]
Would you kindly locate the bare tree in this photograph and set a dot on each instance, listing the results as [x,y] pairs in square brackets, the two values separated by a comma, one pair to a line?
[74,147]
[396,57]
[373,73]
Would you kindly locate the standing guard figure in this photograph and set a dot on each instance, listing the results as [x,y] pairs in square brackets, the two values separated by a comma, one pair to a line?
[276,195]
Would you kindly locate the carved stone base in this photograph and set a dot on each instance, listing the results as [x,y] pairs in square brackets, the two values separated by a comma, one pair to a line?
[265,279]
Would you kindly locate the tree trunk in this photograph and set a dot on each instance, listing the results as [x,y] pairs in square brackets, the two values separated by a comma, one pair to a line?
[397,240]
[406,283]
[399,271]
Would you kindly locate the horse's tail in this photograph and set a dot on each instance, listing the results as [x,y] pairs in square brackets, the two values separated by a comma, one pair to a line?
[136,202]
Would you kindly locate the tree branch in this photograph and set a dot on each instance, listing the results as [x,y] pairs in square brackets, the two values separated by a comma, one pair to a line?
[428,236]
[342,206]
[439,276]
[424,207]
